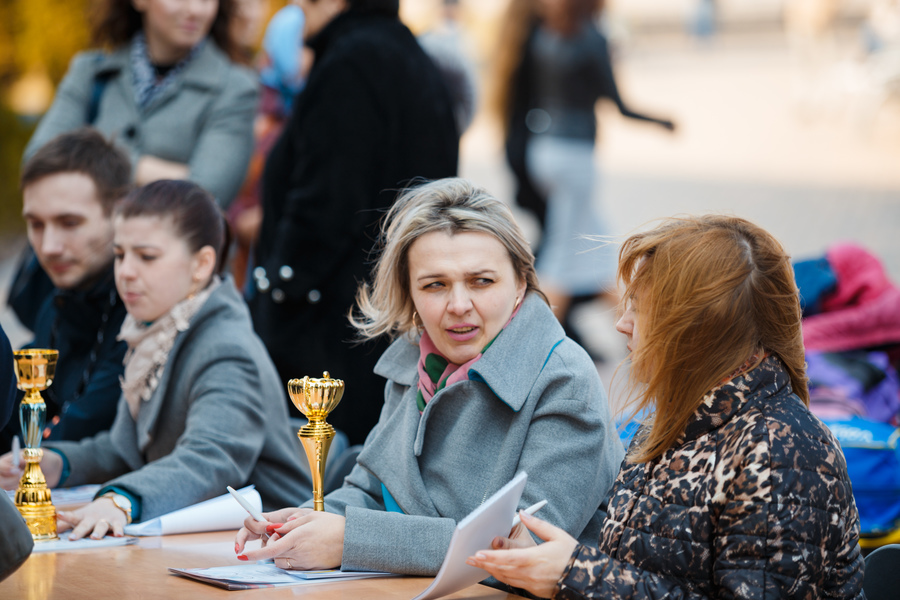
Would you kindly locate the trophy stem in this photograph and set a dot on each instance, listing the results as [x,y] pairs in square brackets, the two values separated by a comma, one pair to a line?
[34,372]
[316,437]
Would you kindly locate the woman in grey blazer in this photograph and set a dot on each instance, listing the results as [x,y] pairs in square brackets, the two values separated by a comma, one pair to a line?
[482,384]
[167,92]
[202,405]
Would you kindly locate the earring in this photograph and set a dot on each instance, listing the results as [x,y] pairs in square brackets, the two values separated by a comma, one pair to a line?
[418,322]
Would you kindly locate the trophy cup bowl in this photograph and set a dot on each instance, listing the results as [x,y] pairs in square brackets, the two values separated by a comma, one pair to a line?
[316,398]
[35,370]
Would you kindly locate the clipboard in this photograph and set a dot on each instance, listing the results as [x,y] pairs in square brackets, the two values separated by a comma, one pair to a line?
[475,533]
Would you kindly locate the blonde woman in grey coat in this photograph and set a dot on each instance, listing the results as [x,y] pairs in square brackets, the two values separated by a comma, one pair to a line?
[482,384]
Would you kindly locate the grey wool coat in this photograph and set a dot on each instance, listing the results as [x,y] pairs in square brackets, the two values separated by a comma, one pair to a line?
[533,403]
[204,119]
[218,417]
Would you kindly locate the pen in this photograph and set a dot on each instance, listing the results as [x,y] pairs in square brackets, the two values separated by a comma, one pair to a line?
[246,505]
[17,453]
[530,510]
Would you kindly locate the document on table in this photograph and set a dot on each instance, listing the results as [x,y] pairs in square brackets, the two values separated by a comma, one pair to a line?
[63,544]
[246,577]
[216,514]
[475,533]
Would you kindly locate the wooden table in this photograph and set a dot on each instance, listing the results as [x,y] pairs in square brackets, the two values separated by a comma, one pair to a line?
[140,571]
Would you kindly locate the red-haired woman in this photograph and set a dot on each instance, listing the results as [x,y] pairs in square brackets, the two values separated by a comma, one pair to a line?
[732,489]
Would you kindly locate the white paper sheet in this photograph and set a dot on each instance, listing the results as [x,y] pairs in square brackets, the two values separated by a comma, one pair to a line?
[64,545]
[216,514]
[475,533]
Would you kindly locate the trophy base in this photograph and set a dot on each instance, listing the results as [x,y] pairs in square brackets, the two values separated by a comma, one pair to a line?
[41,520]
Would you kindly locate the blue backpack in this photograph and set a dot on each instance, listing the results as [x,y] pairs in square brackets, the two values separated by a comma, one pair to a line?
[873,464]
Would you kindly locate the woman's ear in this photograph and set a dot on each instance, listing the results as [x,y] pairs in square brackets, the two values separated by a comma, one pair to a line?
[203,265]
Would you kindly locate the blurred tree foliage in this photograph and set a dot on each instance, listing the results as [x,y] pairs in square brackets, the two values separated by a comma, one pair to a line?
[37,38]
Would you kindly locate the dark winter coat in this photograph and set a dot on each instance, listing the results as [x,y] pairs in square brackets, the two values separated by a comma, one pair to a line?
[753,501]
[374,115]
[82,325]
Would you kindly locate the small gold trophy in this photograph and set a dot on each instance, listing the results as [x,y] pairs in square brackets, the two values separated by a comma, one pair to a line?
[315,398]
[34,372]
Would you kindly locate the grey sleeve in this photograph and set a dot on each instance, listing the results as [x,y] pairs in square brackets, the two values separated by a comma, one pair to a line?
[70,105]
[16,542]
[94,459]
[220,158]
[221,442]
[376,540]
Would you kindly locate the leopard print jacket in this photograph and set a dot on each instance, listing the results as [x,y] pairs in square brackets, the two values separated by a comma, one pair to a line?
[753,501]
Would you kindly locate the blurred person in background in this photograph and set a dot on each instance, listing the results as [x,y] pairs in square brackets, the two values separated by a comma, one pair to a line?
[374,115]
[552,66]
[283,64]
[69,188]
[166,89]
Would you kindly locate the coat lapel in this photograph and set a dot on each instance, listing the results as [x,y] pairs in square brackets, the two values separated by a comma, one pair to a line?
[204,72]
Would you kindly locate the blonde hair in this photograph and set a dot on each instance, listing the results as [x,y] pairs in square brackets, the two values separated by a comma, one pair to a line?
[709,292]
[450,205]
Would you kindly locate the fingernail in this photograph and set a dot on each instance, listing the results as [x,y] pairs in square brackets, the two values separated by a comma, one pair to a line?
[271,528]
[237,549]
[242,557]
[524,515]
[291,518]
[480,556]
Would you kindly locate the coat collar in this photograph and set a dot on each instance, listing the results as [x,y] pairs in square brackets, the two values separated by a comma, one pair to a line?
[535,323]
[721,404]
[204,71]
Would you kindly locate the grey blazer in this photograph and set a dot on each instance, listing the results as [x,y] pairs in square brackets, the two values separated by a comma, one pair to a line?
[534,402]
[204,119]
[218,417]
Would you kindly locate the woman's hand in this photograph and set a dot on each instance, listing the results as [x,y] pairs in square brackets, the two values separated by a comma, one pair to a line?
[313,540]
[254,530]
[98,518]
[536,568]
[11,473]
[10,470]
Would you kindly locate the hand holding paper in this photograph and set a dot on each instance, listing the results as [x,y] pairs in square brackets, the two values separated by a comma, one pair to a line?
[536,569]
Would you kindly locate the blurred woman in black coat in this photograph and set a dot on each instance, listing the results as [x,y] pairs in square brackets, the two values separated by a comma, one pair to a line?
[374,115]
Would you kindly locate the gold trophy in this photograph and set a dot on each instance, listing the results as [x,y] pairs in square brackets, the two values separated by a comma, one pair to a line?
[315,398]
[34,372]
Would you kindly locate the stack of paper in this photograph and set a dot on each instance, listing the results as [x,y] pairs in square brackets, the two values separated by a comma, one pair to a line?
[246,577]
[217,514]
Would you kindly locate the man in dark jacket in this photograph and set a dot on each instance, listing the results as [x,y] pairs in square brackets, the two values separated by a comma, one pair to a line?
[374,116]
[69,188]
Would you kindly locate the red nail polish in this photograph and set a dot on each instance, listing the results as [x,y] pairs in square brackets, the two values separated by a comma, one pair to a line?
[237,548]
[242,557]
[271,528]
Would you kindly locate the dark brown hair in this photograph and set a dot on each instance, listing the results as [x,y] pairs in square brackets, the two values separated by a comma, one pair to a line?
[117,21]
[711,292]
[83,151]
[192,210]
